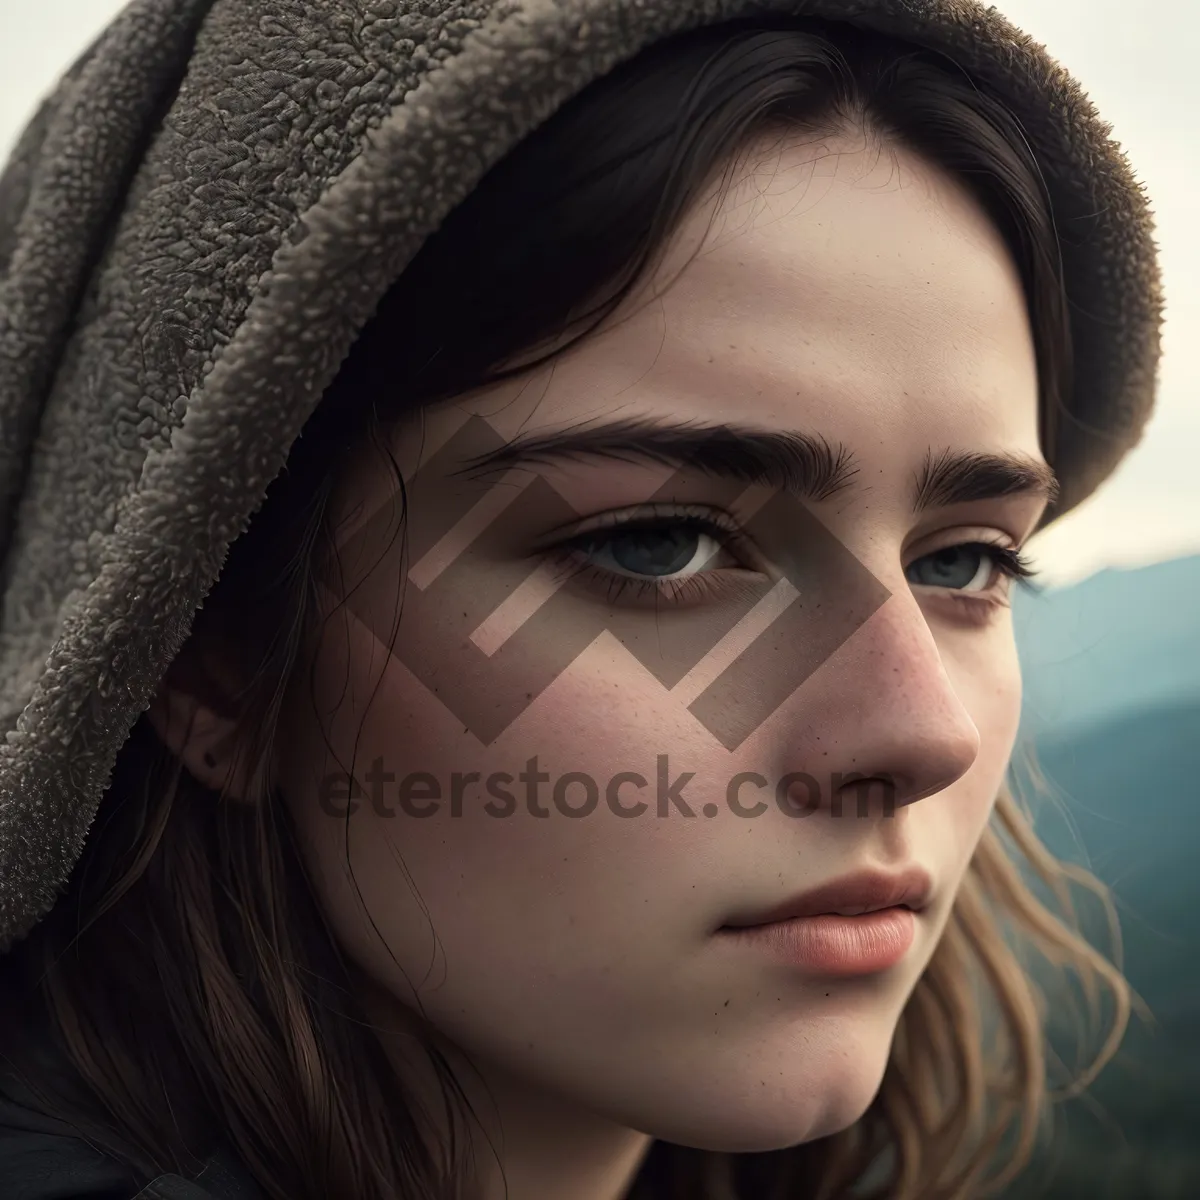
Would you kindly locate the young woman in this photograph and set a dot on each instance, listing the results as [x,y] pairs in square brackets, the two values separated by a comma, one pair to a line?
[586,776]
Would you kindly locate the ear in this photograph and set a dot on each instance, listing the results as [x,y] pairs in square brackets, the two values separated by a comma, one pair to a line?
[194,715]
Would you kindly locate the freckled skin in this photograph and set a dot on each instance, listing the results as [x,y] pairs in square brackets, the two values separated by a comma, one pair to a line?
[573,960]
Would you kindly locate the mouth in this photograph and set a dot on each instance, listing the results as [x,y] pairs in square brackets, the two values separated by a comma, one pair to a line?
[852,895]
[860,925]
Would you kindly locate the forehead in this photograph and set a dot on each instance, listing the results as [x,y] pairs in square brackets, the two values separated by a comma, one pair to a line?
[841,287]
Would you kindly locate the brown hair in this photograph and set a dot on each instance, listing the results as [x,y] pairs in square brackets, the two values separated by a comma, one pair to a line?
[188,979]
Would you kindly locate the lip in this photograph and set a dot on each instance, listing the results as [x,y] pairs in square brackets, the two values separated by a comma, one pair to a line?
[862,892]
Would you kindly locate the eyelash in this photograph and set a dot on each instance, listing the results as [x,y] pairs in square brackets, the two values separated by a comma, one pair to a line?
[677,591]
[978,607]
[1011,564]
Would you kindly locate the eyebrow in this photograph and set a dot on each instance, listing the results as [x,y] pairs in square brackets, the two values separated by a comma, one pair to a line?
[807,466]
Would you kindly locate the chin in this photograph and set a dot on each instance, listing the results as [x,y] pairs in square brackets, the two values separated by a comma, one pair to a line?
[799,1098]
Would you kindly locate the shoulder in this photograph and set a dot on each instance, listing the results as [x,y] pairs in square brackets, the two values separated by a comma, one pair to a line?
[42,1158]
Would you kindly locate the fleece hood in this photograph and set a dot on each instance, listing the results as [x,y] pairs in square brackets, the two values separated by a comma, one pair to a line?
[204,213]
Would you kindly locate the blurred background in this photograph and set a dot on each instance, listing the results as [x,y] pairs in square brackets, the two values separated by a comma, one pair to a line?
[1111,648]
[1112,715]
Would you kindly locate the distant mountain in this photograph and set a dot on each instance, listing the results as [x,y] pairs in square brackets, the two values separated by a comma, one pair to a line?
[1128,807]
[1118,641]
[1112,712]
[1120,743]
[1131,791]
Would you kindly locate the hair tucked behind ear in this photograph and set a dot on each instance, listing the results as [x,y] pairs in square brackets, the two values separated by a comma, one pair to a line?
[188,979]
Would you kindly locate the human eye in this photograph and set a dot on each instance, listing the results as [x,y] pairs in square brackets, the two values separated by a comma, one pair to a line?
[678,554]
[979,574]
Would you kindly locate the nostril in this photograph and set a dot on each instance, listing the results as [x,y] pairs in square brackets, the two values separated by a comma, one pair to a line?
[870,792]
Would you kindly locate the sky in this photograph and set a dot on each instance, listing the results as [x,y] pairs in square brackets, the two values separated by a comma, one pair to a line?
[1137,61]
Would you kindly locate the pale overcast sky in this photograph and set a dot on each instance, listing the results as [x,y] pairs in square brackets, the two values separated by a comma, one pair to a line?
[1138,63]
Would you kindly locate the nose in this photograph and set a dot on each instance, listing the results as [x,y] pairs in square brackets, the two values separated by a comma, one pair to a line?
[888,710]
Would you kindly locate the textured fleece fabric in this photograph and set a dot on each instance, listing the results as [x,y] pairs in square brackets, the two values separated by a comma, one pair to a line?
[204,213]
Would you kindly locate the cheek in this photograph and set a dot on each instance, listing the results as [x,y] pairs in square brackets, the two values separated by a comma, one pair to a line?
[562,949]
[988,680]
[996,703]
[517,871]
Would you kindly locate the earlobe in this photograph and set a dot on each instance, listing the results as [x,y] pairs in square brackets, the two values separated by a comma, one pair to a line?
[203,740]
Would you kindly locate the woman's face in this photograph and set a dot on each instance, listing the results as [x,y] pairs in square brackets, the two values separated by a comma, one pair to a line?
[811,617]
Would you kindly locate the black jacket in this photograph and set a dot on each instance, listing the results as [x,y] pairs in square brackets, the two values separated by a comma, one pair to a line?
[44,1159]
